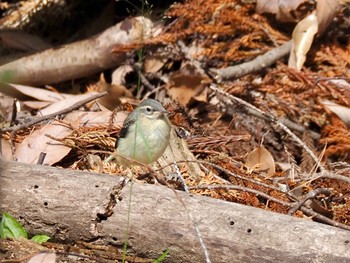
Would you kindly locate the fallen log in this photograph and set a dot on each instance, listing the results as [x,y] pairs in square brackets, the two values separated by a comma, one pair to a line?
[70,205]
[78,59]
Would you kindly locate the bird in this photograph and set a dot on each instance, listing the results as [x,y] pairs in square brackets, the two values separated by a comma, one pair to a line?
[144,136]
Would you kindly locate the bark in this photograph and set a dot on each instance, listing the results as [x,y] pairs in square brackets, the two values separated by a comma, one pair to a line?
[70,205]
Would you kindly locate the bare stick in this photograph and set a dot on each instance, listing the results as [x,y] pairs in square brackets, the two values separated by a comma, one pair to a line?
[257,64]
[310,195]
[321,218]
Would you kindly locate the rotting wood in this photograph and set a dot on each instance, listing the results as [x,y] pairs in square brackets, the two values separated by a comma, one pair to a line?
[70,205]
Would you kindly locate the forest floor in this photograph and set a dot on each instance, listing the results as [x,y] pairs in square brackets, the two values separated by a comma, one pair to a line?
[269,136]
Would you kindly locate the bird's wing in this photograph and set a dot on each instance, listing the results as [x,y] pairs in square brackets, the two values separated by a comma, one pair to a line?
[126,124]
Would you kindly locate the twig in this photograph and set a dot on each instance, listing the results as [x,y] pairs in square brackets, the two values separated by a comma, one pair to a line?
[257,64]
[321,218]
[41,158]
[330,175]
[77,105]
[271,118]
[310,195]
[14,112]
[232,174]
[180,177]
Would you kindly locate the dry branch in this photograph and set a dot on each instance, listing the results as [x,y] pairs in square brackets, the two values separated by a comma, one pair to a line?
[78,59]
[70,205]
[259,63]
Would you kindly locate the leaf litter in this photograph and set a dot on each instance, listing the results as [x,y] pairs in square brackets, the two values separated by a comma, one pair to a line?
[224,133]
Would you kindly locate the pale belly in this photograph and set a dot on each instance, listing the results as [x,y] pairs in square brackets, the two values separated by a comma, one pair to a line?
[144,145]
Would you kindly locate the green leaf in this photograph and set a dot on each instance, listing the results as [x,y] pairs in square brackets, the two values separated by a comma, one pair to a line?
[40,238]
[10,227]
[162,257]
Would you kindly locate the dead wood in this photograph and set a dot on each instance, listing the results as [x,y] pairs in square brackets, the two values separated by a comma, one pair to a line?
[71,206]
[259,63]
[78,59]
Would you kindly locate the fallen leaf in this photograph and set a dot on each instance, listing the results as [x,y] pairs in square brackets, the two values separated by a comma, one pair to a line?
[92,118]
[34,104]
[115,92]
[118,75]
[326,11]
[153,64]
[281,8]
[303,36]
[29,150]
[43,258]
[186,85]
[65,103]
[261,160]
[342,112]
[6,150]
[22,92]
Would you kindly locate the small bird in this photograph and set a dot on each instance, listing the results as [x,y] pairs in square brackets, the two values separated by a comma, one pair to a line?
[145,134]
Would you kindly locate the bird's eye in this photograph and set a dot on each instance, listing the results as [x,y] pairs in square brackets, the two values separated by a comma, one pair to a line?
[148,109]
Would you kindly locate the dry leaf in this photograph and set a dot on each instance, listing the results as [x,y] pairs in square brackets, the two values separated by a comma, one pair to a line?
[6,150]
[341,111]
[22,92]
[34,144]
[326,11]
[65,103]
[43,258]
[153,64]
[186,84]
[92,118]
[261,160]
[115,92]
[118,75]
[33,104]
[31,147]
[281,8]
[303,36]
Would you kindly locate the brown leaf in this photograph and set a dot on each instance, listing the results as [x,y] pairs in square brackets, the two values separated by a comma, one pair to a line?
[115,92]
[326,11]
[281,8]
[303,36]
[65,103]
[261,160]
[22,92]
[118,75]
[36,104]
[6,150]
[186,85]
[153,64]
[43,258]
[29,150]
[341,111]
[91,118]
